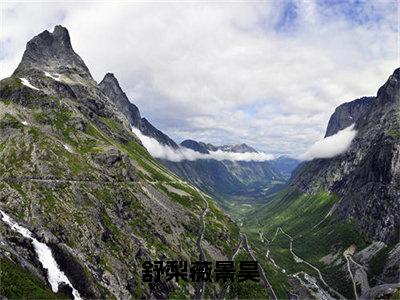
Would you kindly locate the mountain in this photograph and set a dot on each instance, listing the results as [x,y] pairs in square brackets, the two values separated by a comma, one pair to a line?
[111,88]
[341,215]
[219,178]
[285,165]
[240,148]
[77,181]
[227,179]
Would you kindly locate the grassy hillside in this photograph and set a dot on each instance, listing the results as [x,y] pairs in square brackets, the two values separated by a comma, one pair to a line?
[315,233]
[82,176]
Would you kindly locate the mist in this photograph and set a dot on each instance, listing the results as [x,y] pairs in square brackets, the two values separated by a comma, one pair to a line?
[160,151]
[331,146]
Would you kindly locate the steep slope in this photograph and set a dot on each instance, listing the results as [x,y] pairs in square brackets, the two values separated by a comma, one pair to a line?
[338,220]
[222,179]
[226,178]
[110,87]
[74,174]
[285,165]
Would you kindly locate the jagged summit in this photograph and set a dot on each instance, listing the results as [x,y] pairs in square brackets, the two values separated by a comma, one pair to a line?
[196,146]
[205,148]
[111,88]
[51,52]
[239,148]
[356,111]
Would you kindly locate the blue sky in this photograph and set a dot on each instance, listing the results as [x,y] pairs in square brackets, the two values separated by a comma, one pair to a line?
[266,73]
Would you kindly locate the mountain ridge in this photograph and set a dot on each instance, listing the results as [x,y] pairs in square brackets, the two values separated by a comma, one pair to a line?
[340,216]
[75,175]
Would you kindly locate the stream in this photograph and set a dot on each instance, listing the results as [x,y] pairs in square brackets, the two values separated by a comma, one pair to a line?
[54,275]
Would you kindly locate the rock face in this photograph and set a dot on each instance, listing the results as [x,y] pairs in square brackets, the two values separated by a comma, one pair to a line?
[52,52]
[348,114]
[72,172]
[242,148]
[196,146]
[110,87]
[366,178]
[148,129]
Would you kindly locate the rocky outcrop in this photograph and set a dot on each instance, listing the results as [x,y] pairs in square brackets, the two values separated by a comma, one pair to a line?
[72,171]
[52,52]
[148,129]
[196,146]
[111,88]
[366,178]
[348,114]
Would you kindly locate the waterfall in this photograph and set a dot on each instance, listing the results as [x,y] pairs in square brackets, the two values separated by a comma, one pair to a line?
[54,274]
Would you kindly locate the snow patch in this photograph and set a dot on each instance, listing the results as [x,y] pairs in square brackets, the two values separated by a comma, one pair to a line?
[43,252]
[56,77]
[68,148]
[27,83]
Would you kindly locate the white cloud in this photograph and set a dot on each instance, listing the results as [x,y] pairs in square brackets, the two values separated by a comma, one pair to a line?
[331,146]
[199,70]
[160,151]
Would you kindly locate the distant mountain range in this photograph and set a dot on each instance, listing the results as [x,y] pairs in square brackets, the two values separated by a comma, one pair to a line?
[78,187]
[218,178]
[229,178]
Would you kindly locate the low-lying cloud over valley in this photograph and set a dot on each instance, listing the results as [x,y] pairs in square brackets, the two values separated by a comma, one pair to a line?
[331,146]
[160,151]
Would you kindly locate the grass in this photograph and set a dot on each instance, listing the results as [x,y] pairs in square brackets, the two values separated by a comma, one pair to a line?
[377,263]
[393,133]
[18,283]
[9,121]
[315,233]
[246,289]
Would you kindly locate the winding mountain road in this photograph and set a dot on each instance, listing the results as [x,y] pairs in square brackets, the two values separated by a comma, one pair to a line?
[264,279]
[361,277]
[298,259]
[225,288]
[201,286]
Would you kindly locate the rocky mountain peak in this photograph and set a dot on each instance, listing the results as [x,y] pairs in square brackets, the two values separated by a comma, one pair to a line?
[111,85]
[348,113]
[111,79]
[111,88]
[389,91]
[51,52]
[357,110]
[195,146]
[238,148]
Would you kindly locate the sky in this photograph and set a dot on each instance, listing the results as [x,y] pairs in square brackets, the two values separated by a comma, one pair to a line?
[265,73]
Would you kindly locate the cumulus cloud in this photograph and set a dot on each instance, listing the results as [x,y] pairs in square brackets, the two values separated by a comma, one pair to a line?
[198,69]
[331,145]
[160,151]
